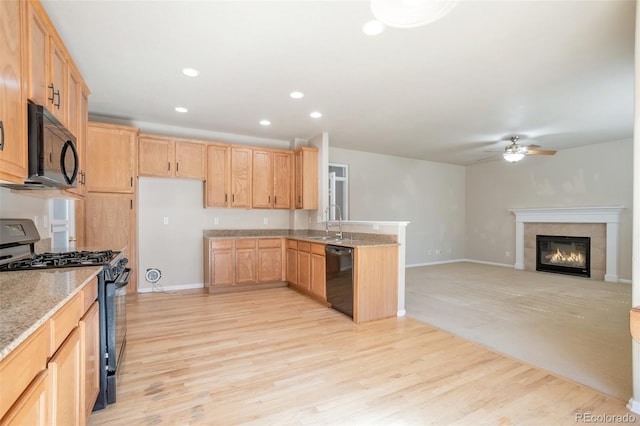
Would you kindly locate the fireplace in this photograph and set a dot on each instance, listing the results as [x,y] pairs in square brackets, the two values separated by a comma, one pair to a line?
[563,255]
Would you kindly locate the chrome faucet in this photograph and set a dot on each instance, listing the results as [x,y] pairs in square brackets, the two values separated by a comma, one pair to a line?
[326,224]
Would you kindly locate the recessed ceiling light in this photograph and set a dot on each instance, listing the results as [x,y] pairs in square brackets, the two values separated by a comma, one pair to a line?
[296,95]
[181,109]
[372,28]
[315,114]
[190,72]
[265,122]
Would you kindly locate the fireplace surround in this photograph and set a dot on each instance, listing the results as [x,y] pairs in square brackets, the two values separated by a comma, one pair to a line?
[563,255]
[609,216]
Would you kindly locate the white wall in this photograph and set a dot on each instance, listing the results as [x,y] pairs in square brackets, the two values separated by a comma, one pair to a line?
[176,248]
[429,195]
[596,175]
[16,206]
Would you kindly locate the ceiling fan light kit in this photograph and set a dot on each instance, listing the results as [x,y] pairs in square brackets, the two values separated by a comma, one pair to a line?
[410,13]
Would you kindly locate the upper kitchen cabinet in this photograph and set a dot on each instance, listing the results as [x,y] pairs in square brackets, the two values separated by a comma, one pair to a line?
[78,120]
[48,63]
[306,181]
[241,176]
[162,156]
[112,158]
[272,179]
[217,185]
[13,120]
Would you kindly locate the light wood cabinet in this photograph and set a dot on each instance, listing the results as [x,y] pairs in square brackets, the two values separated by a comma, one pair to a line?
[306,178]
[58,80]
[269,260]
[375,274]
[167,157]
[292,262]
[272,179]
[318,271]
[90,371]
[13,120]
[245,261]
[32,408]
[304,265]
[217,185]
[78,119]
[241,172]
[110,222]
[219,271]
[112,158]
[66,381]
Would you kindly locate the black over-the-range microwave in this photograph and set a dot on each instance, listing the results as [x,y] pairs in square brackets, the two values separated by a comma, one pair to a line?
[52,154]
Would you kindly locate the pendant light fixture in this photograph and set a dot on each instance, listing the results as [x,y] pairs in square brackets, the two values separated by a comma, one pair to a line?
[410,13]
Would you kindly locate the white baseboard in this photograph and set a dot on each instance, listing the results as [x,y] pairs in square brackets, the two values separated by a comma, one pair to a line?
[161,288]
[504,265]
[634,406]
[625,281]
[401,313]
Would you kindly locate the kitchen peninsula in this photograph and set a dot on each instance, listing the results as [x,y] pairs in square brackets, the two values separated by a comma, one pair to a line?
[250,259]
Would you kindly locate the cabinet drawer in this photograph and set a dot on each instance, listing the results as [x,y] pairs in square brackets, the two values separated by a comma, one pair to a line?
[90,294]
[246,243]
[269,243]
[65,320]
[292,244]
[221,244]
[304,246]
[22,365]
[317,249]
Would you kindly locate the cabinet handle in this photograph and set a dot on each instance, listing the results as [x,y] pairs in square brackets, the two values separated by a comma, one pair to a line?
[169,165]
[1,136]
[177,166]
[131,181]
[131,204]
[233,198]
[269,199]
[275,200]
[52,92]
[225,198]
[58,95]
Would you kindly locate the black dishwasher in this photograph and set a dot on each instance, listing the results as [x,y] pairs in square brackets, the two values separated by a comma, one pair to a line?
[339,272]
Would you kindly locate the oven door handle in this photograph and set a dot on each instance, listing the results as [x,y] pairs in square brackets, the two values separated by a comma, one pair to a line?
[123,279]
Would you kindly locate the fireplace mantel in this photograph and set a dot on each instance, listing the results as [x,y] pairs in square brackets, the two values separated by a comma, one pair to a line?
[607,215]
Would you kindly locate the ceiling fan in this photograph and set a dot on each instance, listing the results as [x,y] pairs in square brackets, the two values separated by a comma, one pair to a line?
[515,152]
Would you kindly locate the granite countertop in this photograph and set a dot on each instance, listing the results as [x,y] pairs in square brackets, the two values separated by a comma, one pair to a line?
[351,239]
[29,298]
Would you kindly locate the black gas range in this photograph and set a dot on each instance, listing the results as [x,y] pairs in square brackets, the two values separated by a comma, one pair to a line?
[17,243]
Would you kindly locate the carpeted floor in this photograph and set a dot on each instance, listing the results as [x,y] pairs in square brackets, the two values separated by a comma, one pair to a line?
[577,328]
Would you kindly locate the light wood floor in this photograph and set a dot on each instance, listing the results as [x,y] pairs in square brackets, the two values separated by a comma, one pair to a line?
[275,357]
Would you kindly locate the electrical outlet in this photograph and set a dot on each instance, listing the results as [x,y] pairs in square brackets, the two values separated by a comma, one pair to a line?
[265,221]
[216,220]
[448,251]
[438,251]
[376,227]
[165,220]
[507,253]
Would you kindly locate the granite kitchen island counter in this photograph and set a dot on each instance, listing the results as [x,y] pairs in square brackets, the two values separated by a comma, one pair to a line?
[29,298]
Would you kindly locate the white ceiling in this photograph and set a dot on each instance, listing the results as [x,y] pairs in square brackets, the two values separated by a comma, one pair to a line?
[557,73]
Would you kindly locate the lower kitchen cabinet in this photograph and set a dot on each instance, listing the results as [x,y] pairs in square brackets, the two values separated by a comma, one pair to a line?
[242,262]
[90,371]
[304,265]
[66,381]
[292,262]
[32,408]
[269,260]
[318,271]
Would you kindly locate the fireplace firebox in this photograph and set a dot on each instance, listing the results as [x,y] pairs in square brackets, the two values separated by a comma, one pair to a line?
[563,255]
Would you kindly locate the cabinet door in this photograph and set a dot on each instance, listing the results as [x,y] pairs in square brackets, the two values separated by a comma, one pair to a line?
[156,156]
[32,408]
[190,159]
[217,183]
[13,156]
[304,269]
[245,257]
[282,179]
[269,260]
[90,371]
[38,59]
[318,276]
[221,262]
[77,122]
[58,78]
[65,381]
[306,185]
[111,224]
[262,179]
[112,158]
[292,266]
[241,170]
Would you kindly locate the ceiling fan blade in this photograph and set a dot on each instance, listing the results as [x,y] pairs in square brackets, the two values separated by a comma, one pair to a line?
[540,152]
[532,146]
